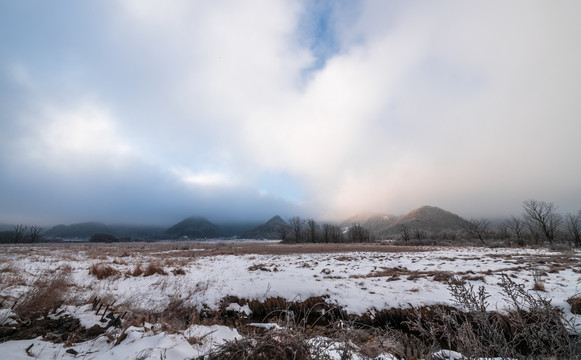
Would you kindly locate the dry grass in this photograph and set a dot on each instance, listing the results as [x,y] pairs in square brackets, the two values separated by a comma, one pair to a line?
[538,332]
[281,345]
[178,315]
[154,268]
[10,275]
[179,271]
[46,294]
[137,271]
[263,267]
[103,271]
[575,302]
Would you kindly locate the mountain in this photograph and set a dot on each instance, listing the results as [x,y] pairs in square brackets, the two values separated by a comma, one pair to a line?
[137,231]
[431,219]
[196,228]
[6,227]
[268,230]
[80,230]
[373,222]
[427,218]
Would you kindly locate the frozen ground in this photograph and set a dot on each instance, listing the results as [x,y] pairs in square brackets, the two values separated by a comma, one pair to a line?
[360,282]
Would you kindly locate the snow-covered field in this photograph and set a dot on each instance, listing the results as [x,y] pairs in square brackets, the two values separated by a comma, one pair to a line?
[202,275]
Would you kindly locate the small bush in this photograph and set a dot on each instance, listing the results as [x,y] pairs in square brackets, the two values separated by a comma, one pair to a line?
[103,271]
[531,326]
[154,268]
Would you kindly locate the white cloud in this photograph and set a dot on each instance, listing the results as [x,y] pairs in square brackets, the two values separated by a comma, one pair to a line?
[204,179]
[432,104]
[77,137]
[446,103]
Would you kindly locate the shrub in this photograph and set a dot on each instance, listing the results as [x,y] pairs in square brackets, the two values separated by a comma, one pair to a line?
[531,327]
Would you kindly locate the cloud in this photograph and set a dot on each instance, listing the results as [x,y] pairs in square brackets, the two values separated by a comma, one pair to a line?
[324,109]
[75,138]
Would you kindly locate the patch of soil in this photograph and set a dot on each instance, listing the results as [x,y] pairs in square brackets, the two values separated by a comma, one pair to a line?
[62,329]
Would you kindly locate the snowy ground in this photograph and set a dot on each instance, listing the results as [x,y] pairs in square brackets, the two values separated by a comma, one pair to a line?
[360,282]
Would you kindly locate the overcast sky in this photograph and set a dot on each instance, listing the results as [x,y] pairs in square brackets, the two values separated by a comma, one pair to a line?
[150,111]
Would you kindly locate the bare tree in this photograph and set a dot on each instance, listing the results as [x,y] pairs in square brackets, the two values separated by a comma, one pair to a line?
[517,227]
[336,234]
[534,232]
[34,232]
[503,231]
[312,228]
[404,232]
[418,233]
[358,233]
[574,227]
[19,231]
[283,231]
[543,215]
[296,224]
[478,229]
[327,229]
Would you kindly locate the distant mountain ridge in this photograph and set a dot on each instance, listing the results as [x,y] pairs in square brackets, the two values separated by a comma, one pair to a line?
[426,218]
[79,230]
[195,227]
[268,230]
[87,229]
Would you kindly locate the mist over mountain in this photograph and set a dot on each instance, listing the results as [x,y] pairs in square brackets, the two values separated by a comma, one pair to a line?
[87,229]
[195,227]
[427,218]
[268,230]
[79,230]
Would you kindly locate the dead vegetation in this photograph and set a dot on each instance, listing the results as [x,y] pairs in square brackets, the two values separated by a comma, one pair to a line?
[154,268]
[575,302]
[315,317]
[279,345]
[137,270]
[530,328]
[263,267]
[103,271]
[47,294]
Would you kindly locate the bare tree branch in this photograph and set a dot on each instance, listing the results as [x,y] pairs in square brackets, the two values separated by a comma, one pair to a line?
[542,215]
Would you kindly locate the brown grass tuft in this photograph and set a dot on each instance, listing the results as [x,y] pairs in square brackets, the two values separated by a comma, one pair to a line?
[137,271]
[575,302]
[103,271]
[280,346]
[179,271]
[47,294]
[154,268]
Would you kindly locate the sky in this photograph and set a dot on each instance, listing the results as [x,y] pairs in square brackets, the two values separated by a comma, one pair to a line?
[143,111]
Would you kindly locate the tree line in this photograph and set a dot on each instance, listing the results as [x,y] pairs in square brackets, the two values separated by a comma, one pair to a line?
[308,230]
[22,234]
